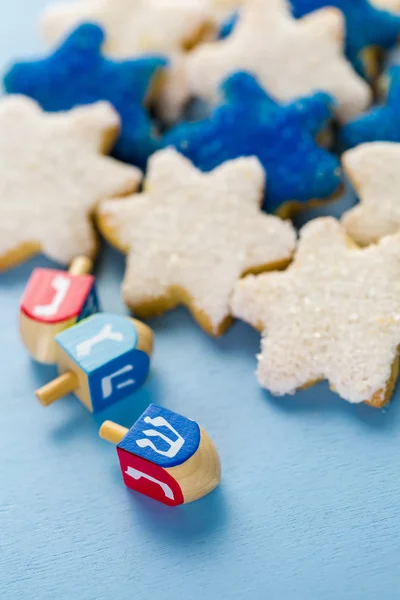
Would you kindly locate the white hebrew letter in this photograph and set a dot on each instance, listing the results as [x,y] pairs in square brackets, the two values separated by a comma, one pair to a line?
[61,286]
[85,347]
[135,474]
[106,382]
[175,446]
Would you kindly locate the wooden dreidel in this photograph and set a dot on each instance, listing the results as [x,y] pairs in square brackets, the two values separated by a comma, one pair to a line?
[53,301]
[165,456]
[101,360]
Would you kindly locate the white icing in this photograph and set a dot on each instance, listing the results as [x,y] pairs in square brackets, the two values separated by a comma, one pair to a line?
[198,231]
[333,314]
[374,171]
[391,5]
[52,175]
[290,57]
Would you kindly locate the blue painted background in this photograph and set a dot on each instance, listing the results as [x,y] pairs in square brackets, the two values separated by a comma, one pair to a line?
[309,504]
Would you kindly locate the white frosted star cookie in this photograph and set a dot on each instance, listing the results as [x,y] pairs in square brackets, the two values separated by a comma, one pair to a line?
[190,235]
[333,314]
[132,26]
[390,5]
[52,175]
[374,172]
[289,57]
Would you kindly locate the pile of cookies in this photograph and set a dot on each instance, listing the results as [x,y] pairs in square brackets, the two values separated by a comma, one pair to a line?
[188,133]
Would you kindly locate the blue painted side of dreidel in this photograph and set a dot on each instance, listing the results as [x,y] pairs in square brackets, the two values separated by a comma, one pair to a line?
[92,305]
[119,378]
[162,437]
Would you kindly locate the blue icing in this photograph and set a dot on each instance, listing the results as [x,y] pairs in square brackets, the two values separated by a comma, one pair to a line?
[162,437]
[229,25]
[379,124]
[77,73]
[366,25]
[249,123]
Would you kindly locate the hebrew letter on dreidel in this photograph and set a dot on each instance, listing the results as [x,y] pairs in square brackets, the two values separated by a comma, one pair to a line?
[175,446]
[61,286]
[106,382]
[85,348]
[135,474]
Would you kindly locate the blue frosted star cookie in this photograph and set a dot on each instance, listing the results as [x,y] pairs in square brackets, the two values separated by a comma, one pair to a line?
[366,25]
[77,73]
[379,124]
[251,123]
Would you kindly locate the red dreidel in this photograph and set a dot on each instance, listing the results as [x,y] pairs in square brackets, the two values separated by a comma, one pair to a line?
[52,302]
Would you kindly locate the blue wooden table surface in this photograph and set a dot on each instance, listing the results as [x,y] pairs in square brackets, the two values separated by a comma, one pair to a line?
[309,504]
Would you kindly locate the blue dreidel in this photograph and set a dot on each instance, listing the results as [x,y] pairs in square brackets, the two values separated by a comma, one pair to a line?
[165,456]
[101,360]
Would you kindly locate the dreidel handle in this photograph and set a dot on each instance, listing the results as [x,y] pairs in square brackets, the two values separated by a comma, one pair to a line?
[112,432]
[63,385]
[80,266]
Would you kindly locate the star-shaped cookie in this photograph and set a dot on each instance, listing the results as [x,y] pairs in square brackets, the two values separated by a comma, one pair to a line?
[290,57]
[366,25]
[379,123]
[391,5]
[374,172]
[251,123]
[77,73]
[132,26]
[190,236]
[333,314]
[52,175]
